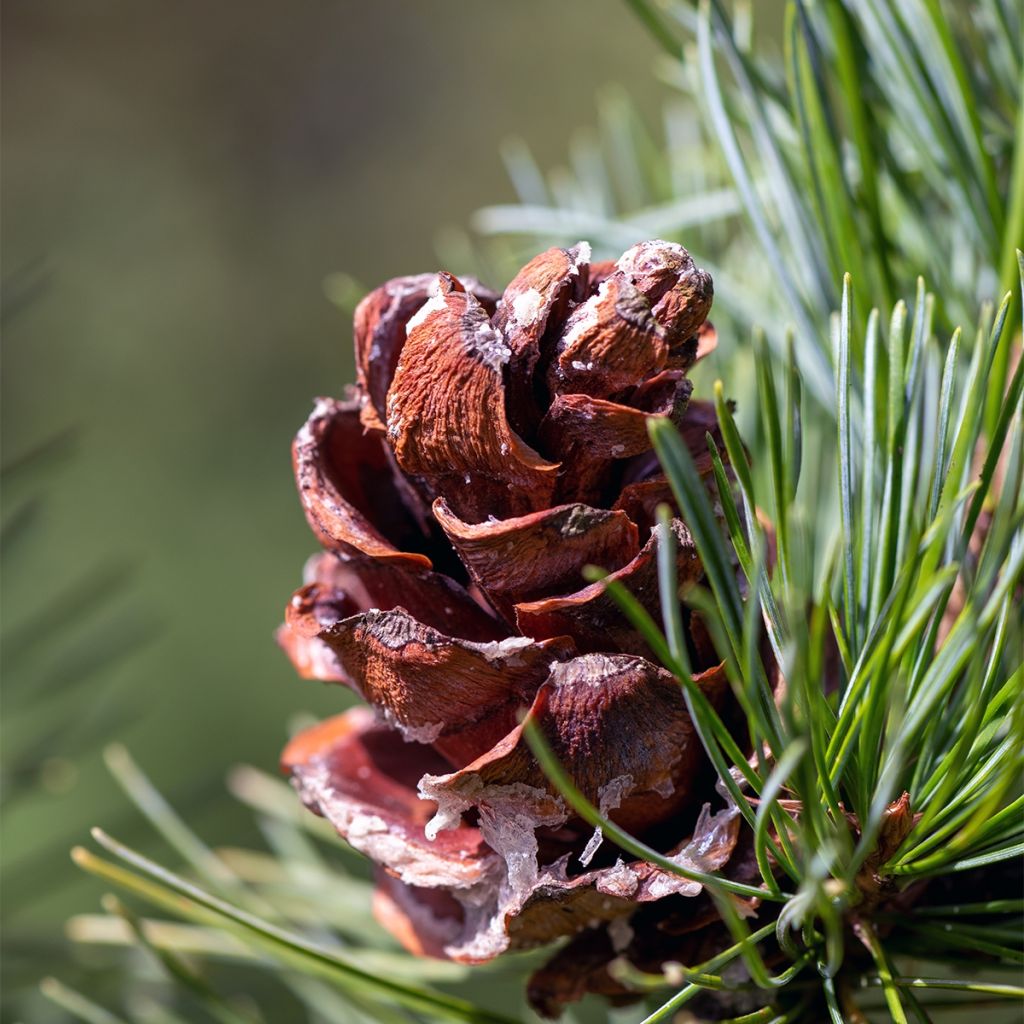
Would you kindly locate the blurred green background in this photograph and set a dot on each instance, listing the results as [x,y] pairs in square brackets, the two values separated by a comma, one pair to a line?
[178,182]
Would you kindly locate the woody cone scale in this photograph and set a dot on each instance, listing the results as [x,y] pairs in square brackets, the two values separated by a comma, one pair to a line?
[491,448]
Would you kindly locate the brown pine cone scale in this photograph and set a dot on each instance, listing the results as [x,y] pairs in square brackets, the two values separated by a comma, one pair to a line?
[491,449]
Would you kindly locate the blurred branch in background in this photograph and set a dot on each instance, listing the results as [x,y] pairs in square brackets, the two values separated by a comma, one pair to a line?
[62,641]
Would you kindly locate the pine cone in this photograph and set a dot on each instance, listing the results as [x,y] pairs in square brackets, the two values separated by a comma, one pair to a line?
[491,449]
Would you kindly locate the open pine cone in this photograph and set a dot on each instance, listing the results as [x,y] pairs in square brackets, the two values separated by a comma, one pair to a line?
[492,448]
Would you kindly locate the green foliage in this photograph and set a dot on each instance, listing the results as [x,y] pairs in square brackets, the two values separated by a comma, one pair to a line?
[922,607]
[885,140]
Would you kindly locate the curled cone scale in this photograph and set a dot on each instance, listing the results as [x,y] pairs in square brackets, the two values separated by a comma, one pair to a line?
[492,448]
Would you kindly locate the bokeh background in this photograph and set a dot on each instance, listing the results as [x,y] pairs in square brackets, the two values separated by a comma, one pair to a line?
[182,184]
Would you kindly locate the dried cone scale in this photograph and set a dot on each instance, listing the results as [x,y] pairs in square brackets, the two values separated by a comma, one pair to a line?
[492,448]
